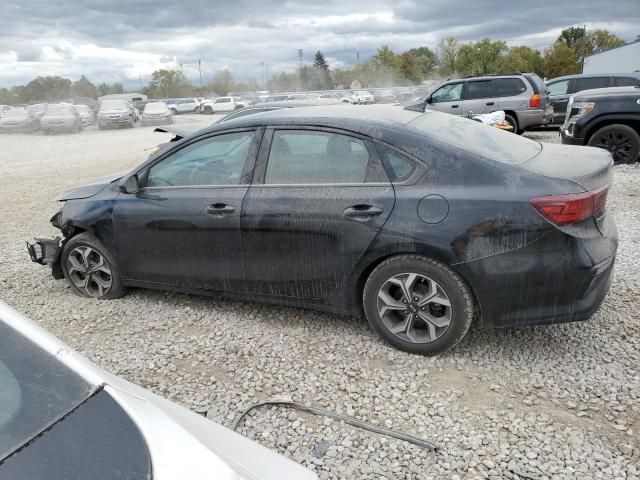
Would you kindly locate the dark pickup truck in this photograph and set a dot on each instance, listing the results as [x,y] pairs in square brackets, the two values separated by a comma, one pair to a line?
[608,118]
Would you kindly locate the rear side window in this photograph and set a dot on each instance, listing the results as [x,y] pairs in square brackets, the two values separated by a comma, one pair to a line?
[308,157]
[480,89]
[626,82]
[536,82]
[509,87]
[587,83]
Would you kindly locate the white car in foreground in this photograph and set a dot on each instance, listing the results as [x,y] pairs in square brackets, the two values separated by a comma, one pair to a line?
[62,417]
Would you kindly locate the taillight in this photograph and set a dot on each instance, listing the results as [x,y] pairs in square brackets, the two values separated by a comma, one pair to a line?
[571,208]
[534,101]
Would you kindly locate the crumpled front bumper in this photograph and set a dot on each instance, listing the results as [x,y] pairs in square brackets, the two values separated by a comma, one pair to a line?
[46,251]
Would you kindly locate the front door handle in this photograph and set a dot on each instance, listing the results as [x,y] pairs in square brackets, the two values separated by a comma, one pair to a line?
[219,209]
[491,103]
[455,106]
[362,212]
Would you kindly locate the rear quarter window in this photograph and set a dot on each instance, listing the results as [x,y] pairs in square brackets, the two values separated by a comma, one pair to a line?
[509,87]
[587,83]
[626,82]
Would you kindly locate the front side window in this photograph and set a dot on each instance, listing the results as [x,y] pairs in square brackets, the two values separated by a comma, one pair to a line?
[480,89]
[558,88]
[215,160]
[451,92]
[308,157]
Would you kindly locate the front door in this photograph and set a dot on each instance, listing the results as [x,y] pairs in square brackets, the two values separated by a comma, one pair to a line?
[447,99]
[318,199]
[559,99]
[480,96]
[183,227]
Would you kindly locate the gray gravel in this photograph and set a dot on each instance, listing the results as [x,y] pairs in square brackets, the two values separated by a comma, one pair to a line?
[550,402]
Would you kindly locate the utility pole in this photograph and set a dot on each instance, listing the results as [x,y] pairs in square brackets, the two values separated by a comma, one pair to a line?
[200,71]
[300,57]
[262,73]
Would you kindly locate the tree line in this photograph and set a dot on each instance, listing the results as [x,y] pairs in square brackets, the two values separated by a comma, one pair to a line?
[385,68]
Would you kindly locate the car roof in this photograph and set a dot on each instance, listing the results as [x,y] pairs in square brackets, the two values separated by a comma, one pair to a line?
[355,117]
[588,75]
[608,92]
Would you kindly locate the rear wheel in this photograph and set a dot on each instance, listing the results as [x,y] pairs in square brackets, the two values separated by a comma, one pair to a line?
[511,120]
[621,140]
[208,110]
[90,269]
[418,304]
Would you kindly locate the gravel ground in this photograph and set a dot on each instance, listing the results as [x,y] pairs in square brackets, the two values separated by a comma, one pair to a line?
[550,402]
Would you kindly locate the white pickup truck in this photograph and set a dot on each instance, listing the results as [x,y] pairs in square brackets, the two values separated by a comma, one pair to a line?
[222,104]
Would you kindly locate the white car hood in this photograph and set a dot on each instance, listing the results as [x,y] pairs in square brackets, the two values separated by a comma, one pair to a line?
[182,444]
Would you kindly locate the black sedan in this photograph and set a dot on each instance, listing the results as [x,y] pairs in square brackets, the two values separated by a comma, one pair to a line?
[421,221]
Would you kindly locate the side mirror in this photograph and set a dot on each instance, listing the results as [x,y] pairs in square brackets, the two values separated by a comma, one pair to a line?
[130,184]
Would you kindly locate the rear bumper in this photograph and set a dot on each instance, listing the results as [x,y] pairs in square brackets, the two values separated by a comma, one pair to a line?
[16,129]
[156,121]
[558,278]
[534,118]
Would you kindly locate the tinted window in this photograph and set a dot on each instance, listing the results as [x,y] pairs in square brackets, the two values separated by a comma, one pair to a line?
[222,100]
[480,89]
[316,157]
[215,160]
[626,82]
[451,92]
[243,113]
[558,88]
[509,87]
[476,138]
[399,168]
[36,389]
[587,83]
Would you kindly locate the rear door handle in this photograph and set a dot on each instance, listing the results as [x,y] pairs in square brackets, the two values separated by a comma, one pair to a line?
[219,209]
[362,212]
[491,103]
[455,106]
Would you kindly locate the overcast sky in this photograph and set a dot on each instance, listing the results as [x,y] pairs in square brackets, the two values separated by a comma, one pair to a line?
[125,40]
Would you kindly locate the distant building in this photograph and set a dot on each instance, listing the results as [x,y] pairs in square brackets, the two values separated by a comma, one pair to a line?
[130,97]
[624,59]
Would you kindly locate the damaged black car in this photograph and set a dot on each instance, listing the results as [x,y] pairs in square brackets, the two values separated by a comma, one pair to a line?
[421,222]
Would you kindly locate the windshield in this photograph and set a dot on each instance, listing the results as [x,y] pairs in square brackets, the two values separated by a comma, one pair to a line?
[156,107]
[16,113]
[58,110]
[35,390]
[477,138]
[114,105]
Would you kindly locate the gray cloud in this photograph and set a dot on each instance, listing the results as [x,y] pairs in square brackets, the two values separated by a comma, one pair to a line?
[122,40]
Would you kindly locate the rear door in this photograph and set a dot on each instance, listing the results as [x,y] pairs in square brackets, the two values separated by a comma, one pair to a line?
[588,83]
[447,98]
[480,96]
[318,198]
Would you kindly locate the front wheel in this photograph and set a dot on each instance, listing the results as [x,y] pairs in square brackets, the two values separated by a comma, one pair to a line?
[90,269]
[621,140]
[418,304]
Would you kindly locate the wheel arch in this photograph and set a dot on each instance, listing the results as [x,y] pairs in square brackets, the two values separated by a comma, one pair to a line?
[428,251]
[602,122]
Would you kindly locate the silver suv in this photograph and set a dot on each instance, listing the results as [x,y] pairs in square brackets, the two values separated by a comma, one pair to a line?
[522,96]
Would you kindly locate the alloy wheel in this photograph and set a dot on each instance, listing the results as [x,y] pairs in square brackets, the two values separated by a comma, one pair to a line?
[414,307]
[89,271]
[618,143]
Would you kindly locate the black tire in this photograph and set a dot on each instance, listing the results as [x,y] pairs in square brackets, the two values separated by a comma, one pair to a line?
[82,241]
[450,283]
[622,141]
[513,121]
[173,111]
[208,110]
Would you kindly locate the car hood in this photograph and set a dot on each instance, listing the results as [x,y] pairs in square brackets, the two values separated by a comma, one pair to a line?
[182,444]
[89,189]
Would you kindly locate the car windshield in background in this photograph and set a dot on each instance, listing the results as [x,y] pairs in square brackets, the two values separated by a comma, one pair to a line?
[114,105]
[36,390]
[16,113]
[477,138]
[156,107]
[58,110]
[82,108]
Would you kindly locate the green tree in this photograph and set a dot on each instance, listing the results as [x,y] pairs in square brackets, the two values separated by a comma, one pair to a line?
[47,89]
[560,59]
[522,59]
[321,77]
[584,42]
[448,54]
[83,88]
[410,68]
[601,40]
[109,88]
[222,82]
[427,60]
[384,57]
[573,37]
[168,84]
[465,60]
